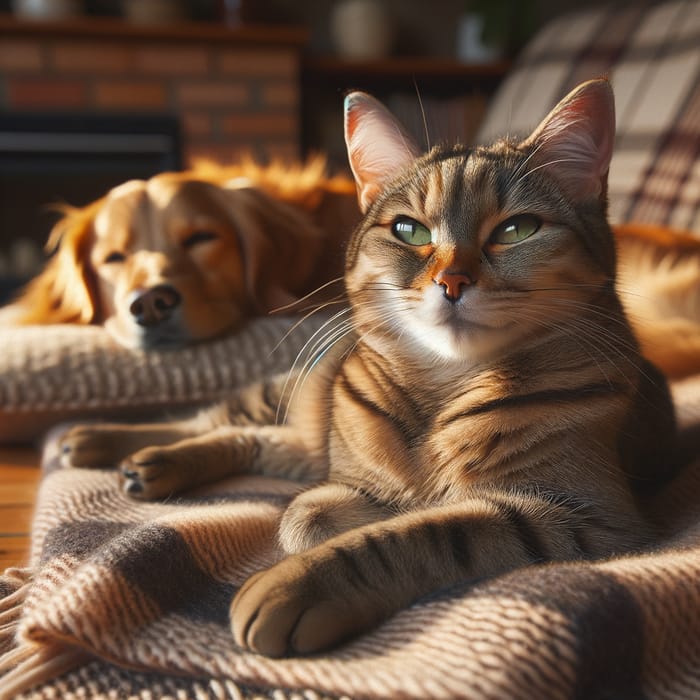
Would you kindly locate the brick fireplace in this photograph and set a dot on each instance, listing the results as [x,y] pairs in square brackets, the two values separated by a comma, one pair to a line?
[228,91]
[234,89]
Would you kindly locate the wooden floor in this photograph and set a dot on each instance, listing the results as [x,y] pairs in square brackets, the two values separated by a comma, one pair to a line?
[19,477]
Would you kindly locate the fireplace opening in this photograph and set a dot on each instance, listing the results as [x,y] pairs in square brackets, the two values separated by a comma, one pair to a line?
[71,159]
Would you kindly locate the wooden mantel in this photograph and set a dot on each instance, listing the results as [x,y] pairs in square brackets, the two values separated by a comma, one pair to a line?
[112,27]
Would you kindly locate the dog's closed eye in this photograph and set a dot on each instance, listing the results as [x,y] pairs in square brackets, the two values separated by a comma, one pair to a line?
[197,237]
[115,257]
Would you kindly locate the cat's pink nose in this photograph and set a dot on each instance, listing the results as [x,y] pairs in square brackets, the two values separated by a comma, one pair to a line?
[453,283]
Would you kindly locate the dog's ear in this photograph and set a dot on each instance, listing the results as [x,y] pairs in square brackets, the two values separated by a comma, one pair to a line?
[65,291]
[280,244]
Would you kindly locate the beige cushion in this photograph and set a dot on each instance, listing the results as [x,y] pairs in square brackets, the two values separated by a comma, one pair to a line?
[50,374]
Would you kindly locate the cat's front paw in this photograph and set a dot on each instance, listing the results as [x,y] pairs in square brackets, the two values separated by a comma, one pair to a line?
[91,446]
[150,474]
[298,607]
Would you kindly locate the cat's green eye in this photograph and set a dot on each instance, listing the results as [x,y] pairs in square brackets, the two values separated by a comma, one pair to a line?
[411,231]
[515,229]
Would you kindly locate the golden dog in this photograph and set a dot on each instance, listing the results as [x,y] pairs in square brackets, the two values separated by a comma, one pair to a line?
[186,256]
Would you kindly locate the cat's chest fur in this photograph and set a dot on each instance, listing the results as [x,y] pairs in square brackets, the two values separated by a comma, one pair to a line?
[402,433]
[431,434]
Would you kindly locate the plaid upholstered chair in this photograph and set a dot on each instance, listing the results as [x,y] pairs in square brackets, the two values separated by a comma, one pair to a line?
[651,53]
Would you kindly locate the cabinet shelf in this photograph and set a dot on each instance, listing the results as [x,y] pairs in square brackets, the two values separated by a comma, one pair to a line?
[400,67]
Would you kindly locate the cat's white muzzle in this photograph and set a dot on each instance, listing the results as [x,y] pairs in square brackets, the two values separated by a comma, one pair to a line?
[462,329]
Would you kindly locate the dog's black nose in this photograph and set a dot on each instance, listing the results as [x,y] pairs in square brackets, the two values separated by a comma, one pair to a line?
[155,305]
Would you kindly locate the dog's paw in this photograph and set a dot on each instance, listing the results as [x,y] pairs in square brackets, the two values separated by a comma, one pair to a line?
[297,607]
[150,473]
[90,446]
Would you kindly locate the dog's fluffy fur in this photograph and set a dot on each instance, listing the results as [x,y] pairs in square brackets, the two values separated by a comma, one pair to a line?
[659,284]
[187,256]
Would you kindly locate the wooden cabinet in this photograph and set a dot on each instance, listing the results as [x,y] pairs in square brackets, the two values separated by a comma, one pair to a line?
[437,99]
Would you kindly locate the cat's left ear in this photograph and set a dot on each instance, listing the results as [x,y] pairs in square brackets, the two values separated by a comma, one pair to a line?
[378,146]
[574,142]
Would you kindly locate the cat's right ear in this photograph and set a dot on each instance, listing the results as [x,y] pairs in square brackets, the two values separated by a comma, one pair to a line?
[378,146]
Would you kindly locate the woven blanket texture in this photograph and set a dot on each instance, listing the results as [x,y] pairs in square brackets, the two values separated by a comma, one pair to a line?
[130,600]
[65,372]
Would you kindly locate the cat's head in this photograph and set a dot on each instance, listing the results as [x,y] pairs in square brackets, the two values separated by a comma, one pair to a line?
[465,252]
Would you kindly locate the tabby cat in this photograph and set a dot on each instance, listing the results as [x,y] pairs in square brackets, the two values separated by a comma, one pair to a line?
[486,406]
[480,405]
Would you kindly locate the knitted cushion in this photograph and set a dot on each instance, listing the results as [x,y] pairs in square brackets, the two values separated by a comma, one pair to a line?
[50,374]
[652,56]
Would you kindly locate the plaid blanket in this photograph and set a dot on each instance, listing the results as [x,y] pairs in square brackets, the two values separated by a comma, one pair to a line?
[130,600]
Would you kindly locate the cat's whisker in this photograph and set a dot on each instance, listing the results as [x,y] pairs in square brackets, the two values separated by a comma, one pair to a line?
[587,308]
[302,319]
[304,350]
[321,345]
[545,321]
[325,341]
[311,309]
[362,337]
[595,336]
[596,311]
[339,333]
[607,343]
[549,163]
[633,292]
[382,284]
[595,308]
[592,326]
[316,340]
[514,175]
[581,320]
[423,115]
[321,333]
[638,318]
[593,286]
[296,302]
